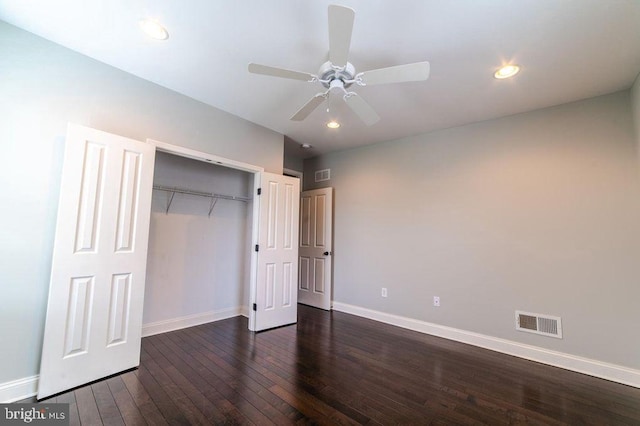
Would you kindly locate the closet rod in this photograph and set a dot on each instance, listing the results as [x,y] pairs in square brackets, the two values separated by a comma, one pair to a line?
[214,197]
[182,191]
[200,193]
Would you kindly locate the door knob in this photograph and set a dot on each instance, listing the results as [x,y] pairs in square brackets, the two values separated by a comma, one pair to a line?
[327,253]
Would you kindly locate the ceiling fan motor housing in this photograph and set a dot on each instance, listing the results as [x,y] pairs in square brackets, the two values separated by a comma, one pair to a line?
[328,73]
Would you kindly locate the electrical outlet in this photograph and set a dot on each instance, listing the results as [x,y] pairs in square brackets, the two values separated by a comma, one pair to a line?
[436,301]
[384,292]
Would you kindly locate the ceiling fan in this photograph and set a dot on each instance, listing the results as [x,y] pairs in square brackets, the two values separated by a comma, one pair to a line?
[337,74]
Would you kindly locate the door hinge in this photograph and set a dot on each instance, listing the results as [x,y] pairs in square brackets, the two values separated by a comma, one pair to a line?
[255,306]
[257,247]
[259,191]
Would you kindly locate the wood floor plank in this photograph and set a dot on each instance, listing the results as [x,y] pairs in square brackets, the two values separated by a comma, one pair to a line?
[185,406]
[287,384]
[142,399]
[253,407]
[125,403]
[310,383]
[213,405]
[70,398]
[254,381]
[165,403]
[109,412]
[87,408]
[333,368]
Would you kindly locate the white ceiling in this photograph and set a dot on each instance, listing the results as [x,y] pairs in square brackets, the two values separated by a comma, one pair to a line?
[568,50]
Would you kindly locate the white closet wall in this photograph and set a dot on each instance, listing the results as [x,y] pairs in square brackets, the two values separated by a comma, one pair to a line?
[198,266]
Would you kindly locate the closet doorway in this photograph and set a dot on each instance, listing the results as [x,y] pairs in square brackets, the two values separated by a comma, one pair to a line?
[199,255]
[96,295]
[271,220]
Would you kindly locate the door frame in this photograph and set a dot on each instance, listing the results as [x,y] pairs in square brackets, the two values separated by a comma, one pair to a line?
[293,173]
[238,165]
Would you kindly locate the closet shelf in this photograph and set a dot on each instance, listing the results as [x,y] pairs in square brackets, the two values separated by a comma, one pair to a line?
[214,197]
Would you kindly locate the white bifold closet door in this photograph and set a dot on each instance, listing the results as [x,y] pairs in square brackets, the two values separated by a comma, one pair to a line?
[96,294]
[275,301]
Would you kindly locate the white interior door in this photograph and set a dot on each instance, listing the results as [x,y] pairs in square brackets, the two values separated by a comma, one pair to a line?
[94,313]
[315,283]
[274,290]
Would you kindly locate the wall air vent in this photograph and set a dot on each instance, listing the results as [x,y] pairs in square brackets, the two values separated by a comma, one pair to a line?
[546,325]
[322,175]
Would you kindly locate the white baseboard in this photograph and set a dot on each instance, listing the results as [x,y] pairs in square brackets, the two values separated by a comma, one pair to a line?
[18,389]
[604,370]
[190,321]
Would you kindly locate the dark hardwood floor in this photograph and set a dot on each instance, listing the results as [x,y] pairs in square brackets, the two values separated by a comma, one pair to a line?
[335,368]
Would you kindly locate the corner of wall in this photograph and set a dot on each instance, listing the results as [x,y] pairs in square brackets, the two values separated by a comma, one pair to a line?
[310,166]
[635,111]
[292,163]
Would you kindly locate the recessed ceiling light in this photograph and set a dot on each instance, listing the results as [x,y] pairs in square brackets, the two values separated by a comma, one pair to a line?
[333,124]
[507,71]
[305,146]
[153,29]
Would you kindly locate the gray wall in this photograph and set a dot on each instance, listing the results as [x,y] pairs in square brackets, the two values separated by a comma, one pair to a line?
[293,163]
[42,87]
[293,155]
[537,212]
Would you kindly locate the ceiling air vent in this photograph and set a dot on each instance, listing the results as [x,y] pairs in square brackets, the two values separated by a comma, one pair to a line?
[546,325]
[322,175]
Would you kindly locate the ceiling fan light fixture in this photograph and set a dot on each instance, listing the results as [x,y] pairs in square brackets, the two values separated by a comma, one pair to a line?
[506,71]
[333,124]
[154,29]
[338,74]
[305,146]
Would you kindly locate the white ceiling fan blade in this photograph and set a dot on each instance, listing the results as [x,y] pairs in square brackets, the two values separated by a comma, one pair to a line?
[340,29]
[362,109]
[279,72]
[398,74]
[309,107]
